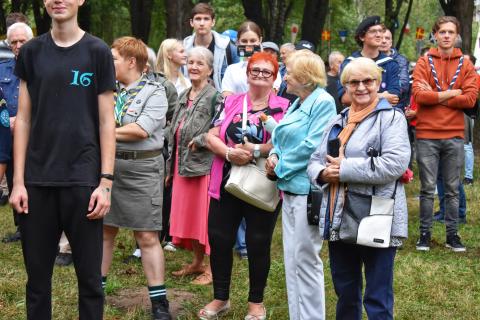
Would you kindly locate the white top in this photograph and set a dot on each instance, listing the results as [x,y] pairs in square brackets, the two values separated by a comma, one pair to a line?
[235,78]
[180,87]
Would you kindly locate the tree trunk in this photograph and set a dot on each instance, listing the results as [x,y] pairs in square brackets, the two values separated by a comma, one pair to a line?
[463,11]
[42,19]
[16,4]
[141,18]
[253,10]
[314,16]
[3,26]
[178,18]
[405,22]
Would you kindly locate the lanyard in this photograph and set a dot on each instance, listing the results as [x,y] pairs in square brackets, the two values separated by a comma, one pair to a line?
[122,103]
[435,77]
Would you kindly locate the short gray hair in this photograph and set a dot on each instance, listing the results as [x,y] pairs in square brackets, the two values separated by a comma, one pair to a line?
[18,25]
[288,45]
[332,55]
[202,52]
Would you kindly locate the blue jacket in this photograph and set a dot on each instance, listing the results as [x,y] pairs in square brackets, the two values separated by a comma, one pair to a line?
[5,135]
[390,75]
[9,83]
[297,136]
[404,79]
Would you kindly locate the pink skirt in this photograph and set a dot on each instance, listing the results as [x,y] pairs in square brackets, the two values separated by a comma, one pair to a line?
[189,212]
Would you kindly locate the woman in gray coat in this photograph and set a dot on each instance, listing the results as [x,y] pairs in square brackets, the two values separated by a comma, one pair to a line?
[373,153]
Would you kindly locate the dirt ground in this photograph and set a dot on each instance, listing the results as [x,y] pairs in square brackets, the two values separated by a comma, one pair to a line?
[138,297]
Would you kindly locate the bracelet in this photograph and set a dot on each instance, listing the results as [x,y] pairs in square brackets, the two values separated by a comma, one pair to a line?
[107,176]
[227,155]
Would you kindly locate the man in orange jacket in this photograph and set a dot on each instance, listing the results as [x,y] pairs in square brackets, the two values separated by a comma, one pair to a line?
[444,84]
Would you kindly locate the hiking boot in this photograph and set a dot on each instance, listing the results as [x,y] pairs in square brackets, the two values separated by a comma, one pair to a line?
[160,310]
[63,259]
[454,243]
[423,244]
[467,181]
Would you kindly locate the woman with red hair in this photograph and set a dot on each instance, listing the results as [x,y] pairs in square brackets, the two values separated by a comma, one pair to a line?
[232,146]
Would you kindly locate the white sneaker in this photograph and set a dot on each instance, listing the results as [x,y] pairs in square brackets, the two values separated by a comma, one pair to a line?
[170,247]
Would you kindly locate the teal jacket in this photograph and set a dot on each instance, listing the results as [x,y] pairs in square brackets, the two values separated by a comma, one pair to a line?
[297,136]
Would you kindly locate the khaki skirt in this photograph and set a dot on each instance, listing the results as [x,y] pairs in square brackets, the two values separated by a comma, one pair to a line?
[137,195]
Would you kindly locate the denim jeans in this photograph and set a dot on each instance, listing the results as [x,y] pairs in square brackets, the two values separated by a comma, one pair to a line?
[240,243]
[462,200]
[430,154]
[469,159]
[346,262]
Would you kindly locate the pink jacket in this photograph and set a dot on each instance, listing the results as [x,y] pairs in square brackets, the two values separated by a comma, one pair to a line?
[233,106]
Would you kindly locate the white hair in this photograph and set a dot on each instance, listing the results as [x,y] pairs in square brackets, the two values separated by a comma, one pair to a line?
[23,25]
[333,55]
[288,45]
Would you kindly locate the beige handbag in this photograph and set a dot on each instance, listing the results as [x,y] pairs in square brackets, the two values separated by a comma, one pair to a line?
[250,183]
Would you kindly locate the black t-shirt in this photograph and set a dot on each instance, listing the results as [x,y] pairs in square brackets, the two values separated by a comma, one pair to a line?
[332,88]
[64,84]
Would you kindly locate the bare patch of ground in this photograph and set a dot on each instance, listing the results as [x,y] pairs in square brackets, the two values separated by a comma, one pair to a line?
[132,298]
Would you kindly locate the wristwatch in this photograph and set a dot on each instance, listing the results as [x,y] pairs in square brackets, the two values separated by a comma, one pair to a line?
[107,176]
[256,151]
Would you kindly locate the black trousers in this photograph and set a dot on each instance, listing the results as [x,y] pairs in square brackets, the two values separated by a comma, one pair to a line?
[223,222]
[51,210]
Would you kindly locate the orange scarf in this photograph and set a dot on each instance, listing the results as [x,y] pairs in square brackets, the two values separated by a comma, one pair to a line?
[354,119]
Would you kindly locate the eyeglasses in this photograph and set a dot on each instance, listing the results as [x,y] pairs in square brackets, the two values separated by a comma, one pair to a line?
[366,82]
[265,72]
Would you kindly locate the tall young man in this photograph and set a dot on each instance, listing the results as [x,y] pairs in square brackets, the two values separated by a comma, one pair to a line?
[224,53]
[369,35]
[64,154]
[444,84]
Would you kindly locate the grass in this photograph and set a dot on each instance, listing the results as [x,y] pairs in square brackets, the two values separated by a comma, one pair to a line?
[438,284]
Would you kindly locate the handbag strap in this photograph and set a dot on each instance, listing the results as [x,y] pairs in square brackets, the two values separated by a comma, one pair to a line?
[244,118]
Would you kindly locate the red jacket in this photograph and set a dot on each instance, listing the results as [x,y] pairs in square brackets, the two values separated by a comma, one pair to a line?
[443,120]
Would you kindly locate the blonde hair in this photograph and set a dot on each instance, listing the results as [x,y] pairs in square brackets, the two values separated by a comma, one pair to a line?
[165,65]
[366,65]
[308,68]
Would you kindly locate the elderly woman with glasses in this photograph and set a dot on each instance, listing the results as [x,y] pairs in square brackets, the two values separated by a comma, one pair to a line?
[364,150]
[233,147]
[294,140]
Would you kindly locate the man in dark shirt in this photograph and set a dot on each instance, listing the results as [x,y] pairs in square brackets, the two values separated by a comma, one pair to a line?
[369,36]
[64,156]
[335,59]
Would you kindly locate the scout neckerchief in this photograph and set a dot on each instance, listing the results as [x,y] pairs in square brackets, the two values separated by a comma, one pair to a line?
[124,99]
[435,77]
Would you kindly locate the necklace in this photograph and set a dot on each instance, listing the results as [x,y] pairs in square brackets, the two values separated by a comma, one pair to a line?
[262,103]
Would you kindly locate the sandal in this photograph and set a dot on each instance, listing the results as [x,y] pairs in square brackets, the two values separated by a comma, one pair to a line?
[188,270]
[203,279]
[257,317]
[205,314]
